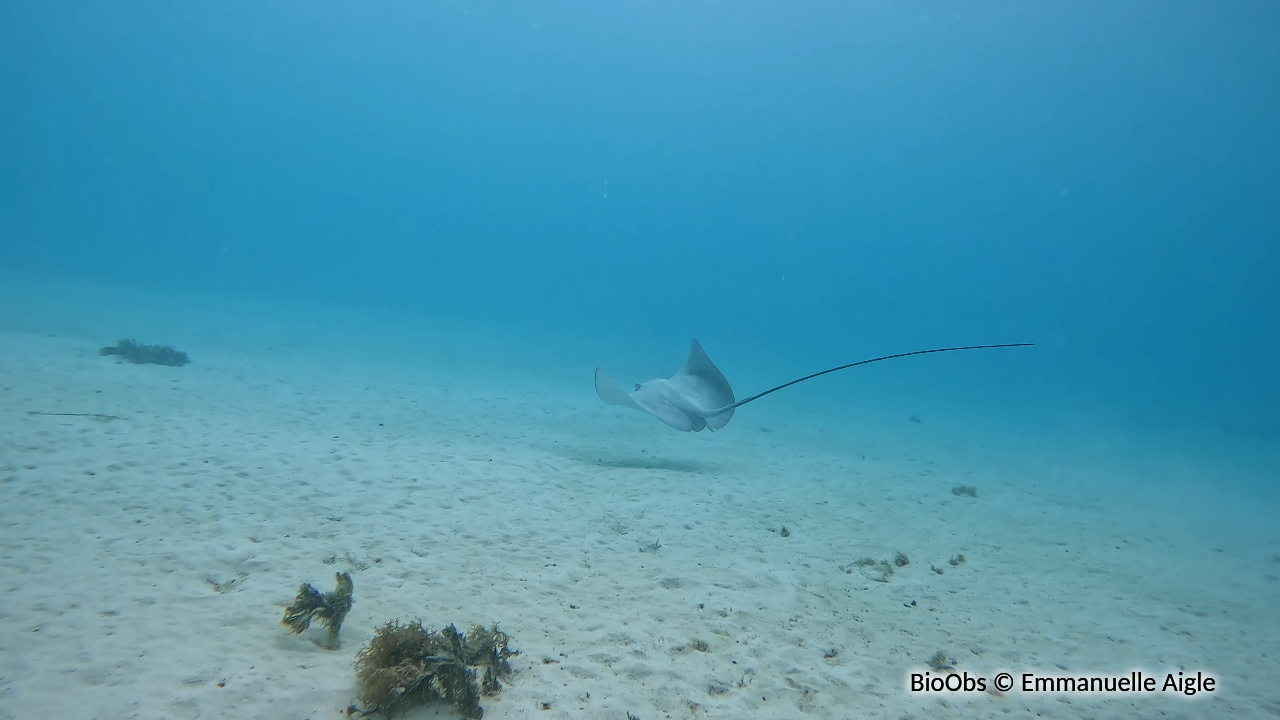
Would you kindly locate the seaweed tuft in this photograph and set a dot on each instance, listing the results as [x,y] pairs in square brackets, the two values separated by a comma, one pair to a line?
[940,661]
[330,609]
[404,665]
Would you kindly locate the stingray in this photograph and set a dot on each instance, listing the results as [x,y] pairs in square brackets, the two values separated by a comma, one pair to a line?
[699,396]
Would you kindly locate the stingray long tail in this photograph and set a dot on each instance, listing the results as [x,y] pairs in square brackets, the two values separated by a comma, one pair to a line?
[753,398]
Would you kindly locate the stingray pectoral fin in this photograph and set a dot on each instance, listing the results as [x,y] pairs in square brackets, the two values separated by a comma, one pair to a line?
[611,392]
[704,388]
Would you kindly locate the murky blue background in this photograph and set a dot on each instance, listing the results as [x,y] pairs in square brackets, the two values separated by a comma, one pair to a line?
[797,184]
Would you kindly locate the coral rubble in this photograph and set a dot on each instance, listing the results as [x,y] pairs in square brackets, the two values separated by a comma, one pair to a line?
[135,352]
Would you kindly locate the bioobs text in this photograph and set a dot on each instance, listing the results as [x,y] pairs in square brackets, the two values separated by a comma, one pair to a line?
[951,682]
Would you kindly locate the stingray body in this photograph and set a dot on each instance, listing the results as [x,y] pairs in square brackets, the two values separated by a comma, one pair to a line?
[699,396]
[696,397]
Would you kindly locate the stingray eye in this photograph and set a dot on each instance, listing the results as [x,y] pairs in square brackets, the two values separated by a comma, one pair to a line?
[637,387]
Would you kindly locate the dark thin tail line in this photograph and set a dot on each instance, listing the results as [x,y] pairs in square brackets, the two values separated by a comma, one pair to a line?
[740,403]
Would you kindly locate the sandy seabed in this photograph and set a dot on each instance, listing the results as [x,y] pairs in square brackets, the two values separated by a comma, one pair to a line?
[149,542]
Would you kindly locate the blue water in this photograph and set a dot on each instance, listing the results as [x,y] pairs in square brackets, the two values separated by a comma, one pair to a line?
[799,184]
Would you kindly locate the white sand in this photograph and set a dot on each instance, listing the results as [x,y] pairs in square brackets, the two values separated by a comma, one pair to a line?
[472,496]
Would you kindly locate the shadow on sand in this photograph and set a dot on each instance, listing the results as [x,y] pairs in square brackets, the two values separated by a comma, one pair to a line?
[608,459]
[653,463]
